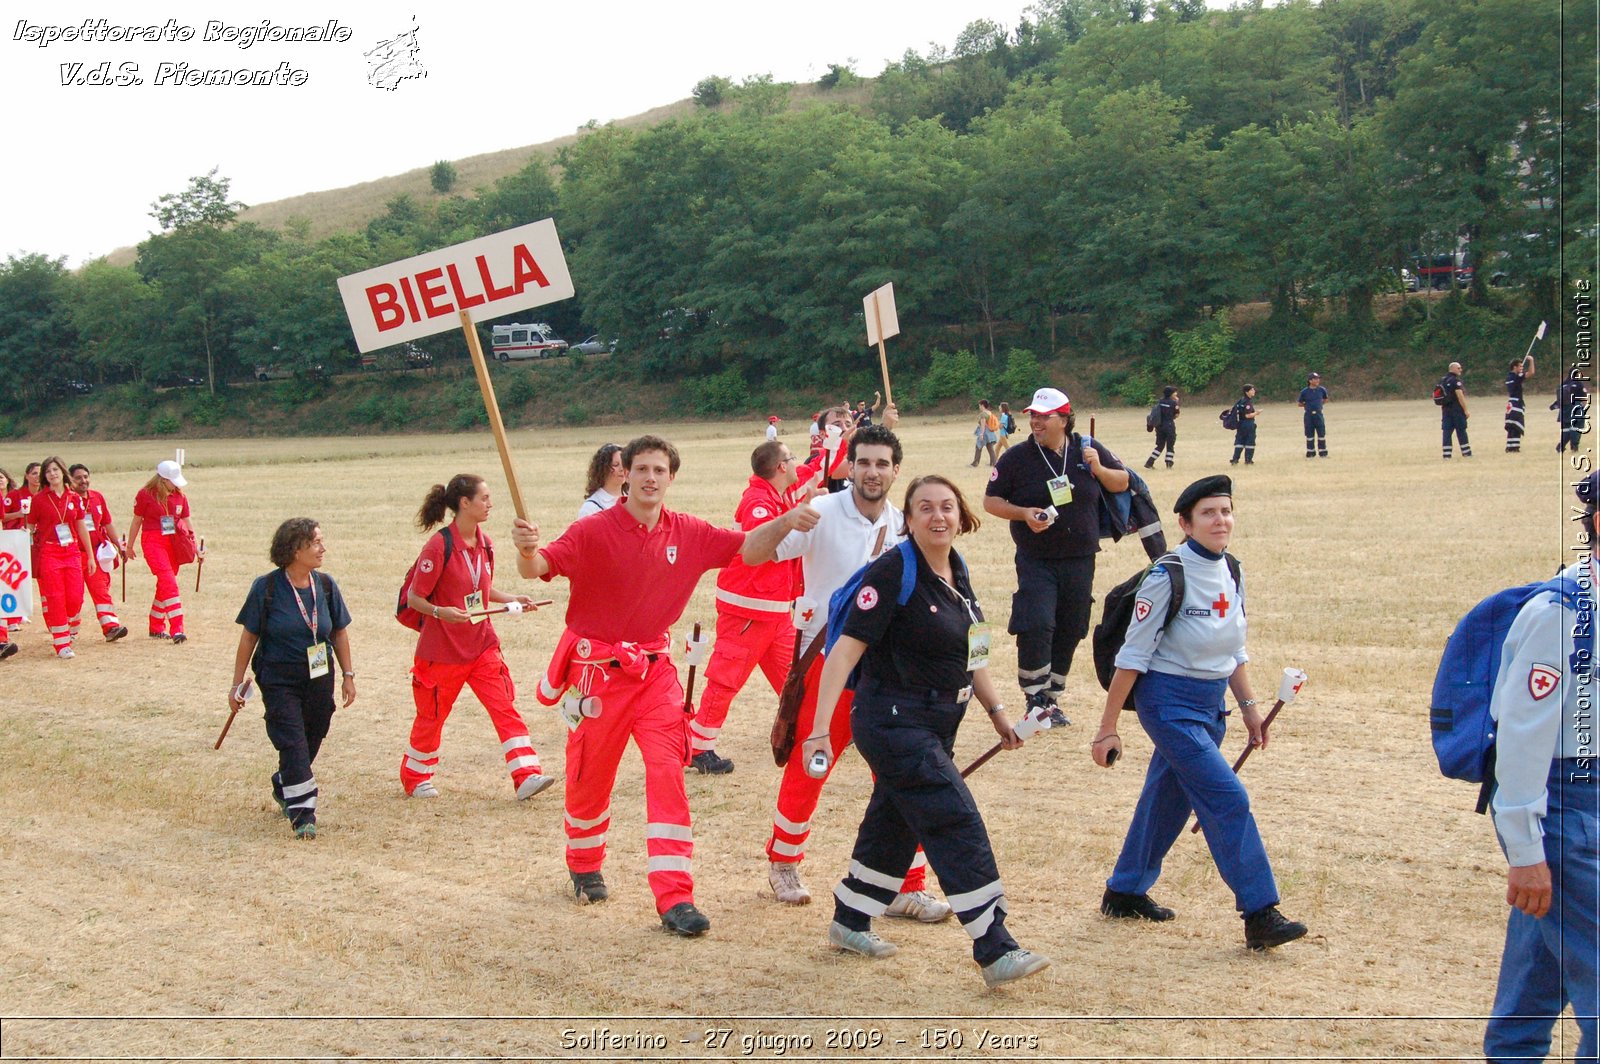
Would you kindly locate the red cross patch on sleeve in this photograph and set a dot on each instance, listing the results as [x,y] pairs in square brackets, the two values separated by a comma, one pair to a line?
[867,598]
[1141,609]
[1543,681]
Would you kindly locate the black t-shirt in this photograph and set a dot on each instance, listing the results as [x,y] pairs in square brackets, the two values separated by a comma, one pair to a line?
[1514,381]
[923,644]
[285,637]
[1022,477]
[1167,411]
[1451,385]
[1312,398]
[1243,407]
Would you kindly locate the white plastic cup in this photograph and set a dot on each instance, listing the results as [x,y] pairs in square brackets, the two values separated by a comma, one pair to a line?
[1289,686]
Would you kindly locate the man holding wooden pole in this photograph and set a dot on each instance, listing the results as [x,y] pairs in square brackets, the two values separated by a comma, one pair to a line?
[632,571]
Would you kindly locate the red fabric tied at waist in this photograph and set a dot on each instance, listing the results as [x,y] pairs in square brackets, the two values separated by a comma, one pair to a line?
[580,660]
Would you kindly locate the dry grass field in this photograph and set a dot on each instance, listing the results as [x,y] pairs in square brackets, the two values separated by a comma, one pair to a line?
[158,907]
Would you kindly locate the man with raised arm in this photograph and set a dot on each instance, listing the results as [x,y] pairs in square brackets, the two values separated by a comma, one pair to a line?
[632,569]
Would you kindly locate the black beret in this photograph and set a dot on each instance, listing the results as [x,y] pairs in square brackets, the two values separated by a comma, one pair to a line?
[1203,488]
[1588,489]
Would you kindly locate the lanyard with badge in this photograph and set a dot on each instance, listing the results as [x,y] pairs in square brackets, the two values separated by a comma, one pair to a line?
[317,652]
[63,526]
[1059,486]
[979,638]
[473,603]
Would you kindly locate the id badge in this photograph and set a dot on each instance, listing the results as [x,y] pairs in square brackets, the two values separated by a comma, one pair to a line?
[1060,490]
[474,604]
[64,534]
[317,659]
[169,525]
[978,640]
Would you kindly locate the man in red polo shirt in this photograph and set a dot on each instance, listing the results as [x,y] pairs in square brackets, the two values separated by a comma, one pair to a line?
[107,551]
[632,570]
[753,625]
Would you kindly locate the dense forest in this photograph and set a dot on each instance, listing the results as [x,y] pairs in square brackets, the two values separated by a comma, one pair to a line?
[1106,175]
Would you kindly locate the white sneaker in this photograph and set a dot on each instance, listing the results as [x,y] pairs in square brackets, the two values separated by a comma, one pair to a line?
[1018,964]
[918,905]
[785,881]
[866,943]
[425,789]
[526,789]
[64,653]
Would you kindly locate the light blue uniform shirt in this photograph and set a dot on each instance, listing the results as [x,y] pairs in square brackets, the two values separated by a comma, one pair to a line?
[1206,638]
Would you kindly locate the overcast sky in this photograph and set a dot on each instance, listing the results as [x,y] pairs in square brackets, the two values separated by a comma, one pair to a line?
[87,160]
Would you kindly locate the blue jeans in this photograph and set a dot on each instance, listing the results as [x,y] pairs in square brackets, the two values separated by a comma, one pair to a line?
[1551,961]
[1184,718]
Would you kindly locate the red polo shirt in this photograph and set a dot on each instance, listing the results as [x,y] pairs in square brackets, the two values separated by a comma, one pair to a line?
[630,583]
[448,584]
[99,515]
[48,511]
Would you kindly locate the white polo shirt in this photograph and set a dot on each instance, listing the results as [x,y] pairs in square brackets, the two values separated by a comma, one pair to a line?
[841,543]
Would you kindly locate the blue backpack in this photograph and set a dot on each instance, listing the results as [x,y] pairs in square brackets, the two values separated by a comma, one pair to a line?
[1463,731]
[842,601]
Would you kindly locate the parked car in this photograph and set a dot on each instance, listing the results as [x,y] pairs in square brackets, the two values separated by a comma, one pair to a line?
[404,356]
[276,372]
[594,346]
[70,386]
[179,380]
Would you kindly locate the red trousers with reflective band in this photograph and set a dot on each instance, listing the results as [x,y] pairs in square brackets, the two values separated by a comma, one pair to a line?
[650,712]
[799,792]
[61,587]
[434,687]
[166,610]
[98,584]
[743,643]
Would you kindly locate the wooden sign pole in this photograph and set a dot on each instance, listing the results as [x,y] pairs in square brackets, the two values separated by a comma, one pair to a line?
[486,386]
[883,359]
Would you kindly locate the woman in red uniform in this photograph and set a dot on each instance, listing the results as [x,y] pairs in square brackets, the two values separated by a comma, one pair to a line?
[452,585]
[61,543]
[161,518]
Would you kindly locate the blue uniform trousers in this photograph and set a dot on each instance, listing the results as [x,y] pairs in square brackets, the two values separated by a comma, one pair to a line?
[918,796]
[1552,961]
[1316,433]
[298,711]
[1184,718]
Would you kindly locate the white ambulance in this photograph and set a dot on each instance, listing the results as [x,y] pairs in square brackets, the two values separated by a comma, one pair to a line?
[516,341]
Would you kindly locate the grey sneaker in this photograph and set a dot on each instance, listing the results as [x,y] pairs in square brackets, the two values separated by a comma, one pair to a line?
[528,787]
[785,882]
[425,789]
[866,943]
[1018,964]
[589,887]
[918,905]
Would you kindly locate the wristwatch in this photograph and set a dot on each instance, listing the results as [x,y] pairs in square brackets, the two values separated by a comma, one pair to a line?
[349,674]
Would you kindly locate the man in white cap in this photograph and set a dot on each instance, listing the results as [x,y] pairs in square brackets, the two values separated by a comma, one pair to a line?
[1049,488]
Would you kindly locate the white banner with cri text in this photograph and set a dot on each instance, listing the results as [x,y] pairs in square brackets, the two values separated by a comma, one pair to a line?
[16,575]
[491,276]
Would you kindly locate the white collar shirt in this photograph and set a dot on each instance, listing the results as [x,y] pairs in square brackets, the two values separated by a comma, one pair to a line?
[841,543]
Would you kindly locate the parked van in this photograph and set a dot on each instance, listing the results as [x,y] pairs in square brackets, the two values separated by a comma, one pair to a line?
[537,340]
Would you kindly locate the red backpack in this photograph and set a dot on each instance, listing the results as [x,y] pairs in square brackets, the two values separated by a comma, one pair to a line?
[404,613]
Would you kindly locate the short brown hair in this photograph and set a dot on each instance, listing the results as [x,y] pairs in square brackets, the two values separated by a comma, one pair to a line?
[293,536]
[640,444]
[969,520]
[765,459]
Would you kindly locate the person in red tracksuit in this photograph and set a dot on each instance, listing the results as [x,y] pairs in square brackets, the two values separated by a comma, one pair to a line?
[161,516]
[753,625]
[458,646]
[632,569]
[57,520]
[107,551]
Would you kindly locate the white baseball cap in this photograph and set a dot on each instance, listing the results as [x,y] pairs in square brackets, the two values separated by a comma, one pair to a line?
[1049,401]
[170,470]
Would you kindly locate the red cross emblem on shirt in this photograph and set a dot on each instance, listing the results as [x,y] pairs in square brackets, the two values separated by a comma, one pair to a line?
[1222,604]
[1542,681]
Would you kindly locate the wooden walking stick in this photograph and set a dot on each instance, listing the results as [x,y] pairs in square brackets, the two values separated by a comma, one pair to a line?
[242,693]
[1036,720]
[199,564]
[124,568]
[1293,680]
[690,656]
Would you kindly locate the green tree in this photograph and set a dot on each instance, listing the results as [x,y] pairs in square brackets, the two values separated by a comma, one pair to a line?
[37,339]
[443,176]
[119,322]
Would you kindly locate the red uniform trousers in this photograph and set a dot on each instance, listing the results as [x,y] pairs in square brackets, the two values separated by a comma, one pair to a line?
[742,644]
[434,687]
[799,792]
[61,587]
[98,584]
[166,609]
[650,711]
